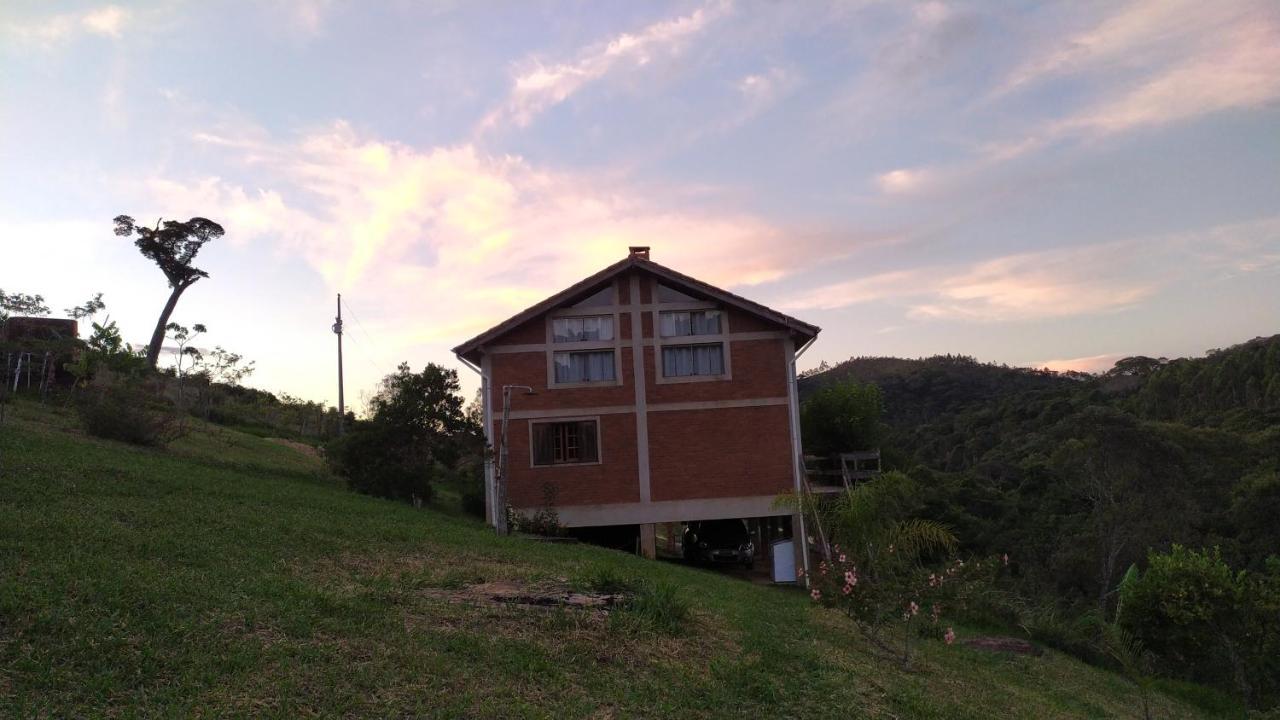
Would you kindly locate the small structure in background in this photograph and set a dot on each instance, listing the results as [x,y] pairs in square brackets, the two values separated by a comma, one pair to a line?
[653,400]
[33,350]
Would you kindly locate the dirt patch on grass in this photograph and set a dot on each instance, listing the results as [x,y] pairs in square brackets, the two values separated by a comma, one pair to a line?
[540,594]
[305,449]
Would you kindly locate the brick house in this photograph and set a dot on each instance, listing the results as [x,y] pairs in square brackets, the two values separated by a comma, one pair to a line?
[656,398]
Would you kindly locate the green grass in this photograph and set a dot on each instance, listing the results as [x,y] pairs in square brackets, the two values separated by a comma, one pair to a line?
[230,576]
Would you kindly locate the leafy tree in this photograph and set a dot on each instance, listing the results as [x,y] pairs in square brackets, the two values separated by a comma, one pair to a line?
[21,305]
[183,337]
[841,418]
[87,310]
[414,433]
[172,246]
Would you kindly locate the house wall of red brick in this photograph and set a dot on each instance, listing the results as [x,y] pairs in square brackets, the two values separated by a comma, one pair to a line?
[736,444]
[726,452]
[613,480]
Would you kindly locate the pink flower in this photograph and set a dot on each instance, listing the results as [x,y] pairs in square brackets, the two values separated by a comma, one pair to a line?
[842,558]
[933,580]
[800,572]
[847,589]
[816,594]
[913,608]
[850,578]
[949,636]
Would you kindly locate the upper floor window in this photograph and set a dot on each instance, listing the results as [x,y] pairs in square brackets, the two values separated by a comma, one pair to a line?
[677,323]
[579,329]
[690,360]
[585,366]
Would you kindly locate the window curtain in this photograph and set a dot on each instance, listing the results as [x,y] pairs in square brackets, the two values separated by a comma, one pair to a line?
[588,449]
[544,444]
[683,360]
[695,322]
[584,366]
[577,329]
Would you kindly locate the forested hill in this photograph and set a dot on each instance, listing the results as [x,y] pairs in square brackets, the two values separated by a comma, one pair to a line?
[923,390]
[1237,387]
[1079,474]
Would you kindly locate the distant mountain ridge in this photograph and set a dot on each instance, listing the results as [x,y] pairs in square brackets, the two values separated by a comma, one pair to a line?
[1236,385]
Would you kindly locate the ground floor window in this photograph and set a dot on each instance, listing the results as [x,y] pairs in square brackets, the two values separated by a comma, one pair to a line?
[686,360]
[565,442]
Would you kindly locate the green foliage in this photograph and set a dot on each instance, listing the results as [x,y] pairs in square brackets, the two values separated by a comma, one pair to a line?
[1205,620]
[841,417]
[414,435]
[21,305]
[605,579]
[124,412]
[544,521]
[1128,652]
[886,566]
[656,606]
[88,309]
[106,350]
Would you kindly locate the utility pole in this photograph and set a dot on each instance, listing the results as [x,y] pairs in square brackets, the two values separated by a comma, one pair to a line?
[337,330]
[500,479]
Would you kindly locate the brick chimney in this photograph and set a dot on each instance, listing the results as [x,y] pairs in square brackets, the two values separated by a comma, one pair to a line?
[640,251]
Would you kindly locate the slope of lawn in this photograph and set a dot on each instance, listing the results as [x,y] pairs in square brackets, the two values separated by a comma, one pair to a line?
[229,575]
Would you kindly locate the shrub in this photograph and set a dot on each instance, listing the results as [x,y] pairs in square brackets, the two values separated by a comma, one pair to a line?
[373,463]
[1207,622]
[125,414]
[887,569]
[604,579]
[544,521]
[657,606]
[841,418]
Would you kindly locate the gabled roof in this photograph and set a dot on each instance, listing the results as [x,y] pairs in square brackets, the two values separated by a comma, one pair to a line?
[804,330]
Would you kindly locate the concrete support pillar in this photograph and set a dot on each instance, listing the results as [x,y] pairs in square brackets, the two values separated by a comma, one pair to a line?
[648,541]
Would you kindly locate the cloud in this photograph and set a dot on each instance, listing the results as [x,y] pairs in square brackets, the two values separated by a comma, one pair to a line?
[1088,364]
[904,180]
[1047,284]
[1151,64]
[106,21]
[1061,282]
[1139,34]
[1240,72]
[540,86]
[455,240]
[763,89]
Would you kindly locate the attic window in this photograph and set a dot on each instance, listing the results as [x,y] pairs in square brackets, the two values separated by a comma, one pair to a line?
[582,329]
[668,294]
[689,322]
[601,298]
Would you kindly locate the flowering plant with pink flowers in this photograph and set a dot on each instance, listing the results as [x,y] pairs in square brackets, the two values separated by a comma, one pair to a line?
[892,574]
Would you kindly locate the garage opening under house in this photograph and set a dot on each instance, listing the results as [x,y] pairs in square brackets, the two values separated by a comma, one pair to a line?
[645,398]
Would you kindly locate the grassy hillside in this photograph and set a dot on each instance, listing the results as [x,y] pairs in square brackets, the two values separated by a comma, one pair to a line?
[228,575]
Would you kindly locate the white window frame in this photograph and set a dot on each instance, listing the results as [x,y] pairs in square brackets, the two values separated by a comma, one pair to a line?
[659,342]
[556,420]
[553,347]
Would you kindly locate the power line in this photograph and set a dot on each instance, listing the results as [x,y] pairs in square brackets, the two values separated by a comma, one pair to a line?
[374,357]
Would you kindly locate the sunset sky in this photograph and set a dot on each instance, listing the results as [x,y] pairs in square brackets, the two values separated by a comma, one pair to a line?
[1035,184]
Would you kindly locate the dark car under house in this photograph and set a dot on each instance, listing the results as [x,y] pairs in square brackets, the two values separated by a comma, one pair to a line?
[719,541]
